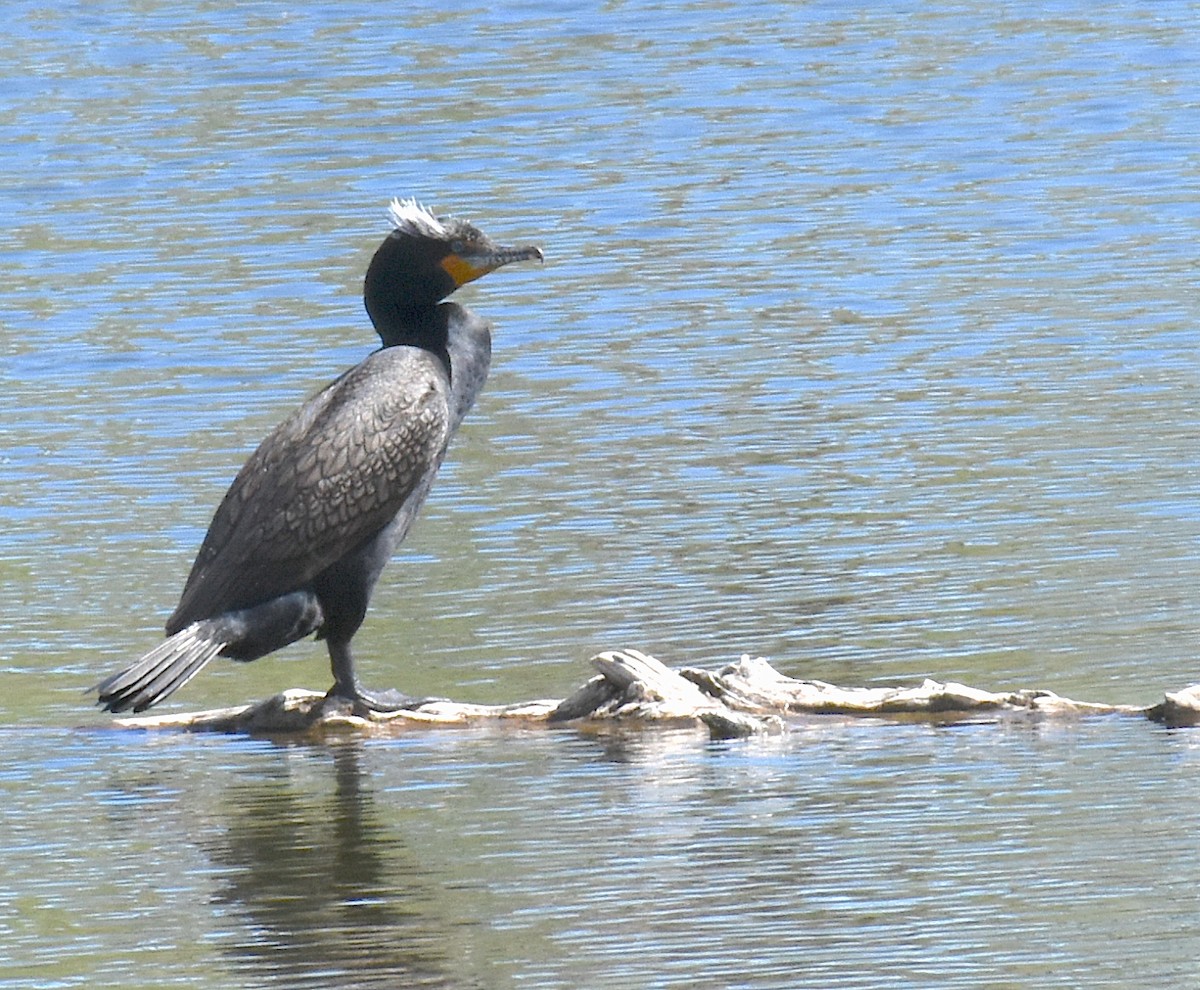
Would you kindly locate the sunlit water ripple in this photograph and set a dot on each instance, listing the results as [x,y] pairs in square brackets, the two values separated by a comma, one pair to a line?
[866,341]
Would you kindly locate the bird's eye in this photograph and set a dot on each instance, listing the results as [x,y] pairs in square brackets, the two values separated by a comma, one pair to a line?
[457,247]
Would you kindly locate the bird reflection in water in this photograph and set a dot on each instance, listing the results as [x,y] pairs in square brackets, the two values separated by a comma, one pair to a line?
[327,896]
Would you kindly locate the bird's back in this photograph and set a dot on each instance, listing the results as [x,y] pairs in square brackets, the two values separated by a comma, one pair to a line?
[323,482]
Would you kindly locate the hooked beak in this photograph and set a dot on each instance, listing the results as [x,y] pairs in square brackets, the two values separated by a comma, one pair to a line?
[468,266]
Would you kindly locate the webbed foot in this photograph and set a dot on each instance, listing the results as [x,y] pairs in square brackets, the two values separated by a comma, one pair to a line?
[363,702]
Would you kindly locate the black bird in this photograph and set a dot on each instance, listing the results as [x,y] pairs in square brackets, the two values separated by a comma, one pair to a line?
[308,524]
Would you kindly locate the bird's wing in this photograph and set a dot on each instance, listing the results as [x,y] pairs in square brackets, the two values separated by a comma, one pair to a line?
[323,482]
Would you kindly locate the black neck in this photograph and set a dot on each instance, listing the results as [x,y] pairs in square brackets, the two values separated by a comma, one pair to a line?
[428,329]
[403,290]
[403,287]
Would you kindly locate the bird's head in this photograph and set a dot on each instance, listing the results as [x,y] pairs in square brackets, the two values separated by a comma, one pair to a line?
[426,257]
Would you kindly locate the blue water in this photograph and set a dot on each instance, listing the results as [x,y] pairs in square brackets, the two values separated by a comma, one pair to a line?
[866,341]
[848,855]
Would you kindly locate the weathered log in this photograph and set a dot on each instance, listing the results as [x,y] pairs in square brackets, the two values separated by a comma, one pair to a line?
[1178,709]
[631,688]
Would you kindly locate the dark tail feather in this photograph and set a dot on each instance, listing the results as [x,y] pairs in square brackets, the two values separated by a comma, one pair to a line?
[161,672]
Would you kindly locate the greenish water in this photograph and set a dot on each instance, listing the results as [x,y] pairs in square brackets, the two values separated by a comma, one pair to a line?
[867,341]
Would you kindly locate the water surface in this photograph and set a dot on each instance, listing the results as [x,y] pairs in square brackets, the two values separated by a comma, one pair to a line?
[866,341]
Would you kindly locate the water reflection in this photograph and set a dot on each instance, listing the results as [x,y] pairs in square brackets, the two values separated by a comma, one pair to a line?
[327,893]
[868,342]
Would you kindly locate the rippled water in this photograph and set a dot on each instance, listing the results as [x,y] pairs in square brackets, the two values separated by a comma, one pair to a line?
[847,855]
[867,340]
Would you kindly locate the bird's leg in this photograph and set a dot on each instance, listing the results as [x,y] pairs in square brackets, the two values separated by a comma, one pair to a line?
[346,686]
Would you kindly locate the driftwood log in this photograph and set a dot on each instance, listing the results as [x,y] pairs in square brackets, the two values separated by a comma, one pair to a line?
[631,688]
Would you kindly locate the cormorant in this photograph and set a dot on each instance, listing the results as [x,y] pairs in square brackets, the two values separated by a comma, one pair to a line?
[308,524]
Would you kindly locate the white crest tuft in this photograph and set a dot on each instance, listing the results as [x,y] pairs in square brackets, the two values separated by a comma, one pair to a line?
[410,217]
